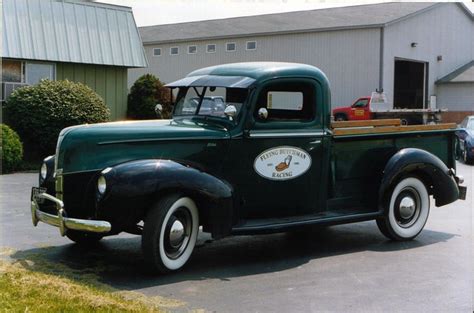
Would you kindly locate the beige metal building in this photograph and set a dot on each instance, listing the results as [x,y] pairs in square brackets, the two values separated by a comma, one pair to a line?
[403,48]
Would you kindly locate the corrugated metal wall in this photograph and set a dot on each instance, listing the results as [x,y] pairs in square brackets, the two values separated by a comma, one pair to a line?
[108,81]
[445,30]
[350,58]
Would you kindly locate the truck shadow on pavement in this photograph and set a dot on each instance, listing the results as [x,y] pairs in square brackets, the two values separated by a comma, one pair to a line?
[118,262]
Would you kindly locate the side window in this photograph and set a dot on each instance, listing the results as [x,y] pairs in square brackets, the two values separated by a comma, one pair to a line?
[361,103]
[464,123]
[287,101]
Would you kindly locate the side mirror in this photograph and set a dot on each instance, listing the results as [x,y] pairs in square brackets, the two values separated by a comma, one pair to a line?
[230,111]
[263,113]
[158,110]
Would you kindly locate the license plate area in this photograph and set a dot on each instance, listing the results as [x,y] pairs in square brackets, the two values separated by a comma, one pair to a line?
[35,191]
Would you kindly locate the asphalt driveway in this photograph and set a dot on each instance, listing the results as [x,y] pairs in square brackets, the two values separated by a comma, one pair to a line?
[337,269]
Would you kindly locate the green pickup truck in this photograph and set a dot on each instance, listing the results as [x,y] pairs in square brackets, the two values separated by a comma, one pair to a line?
[265,159]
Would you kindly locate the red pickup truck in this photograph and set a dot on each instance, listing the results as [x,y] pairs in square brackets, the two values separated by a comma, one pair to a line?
[361,110]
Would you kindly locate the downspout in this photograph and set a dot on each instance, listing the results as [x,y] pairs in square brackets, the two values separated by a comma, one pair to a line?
[382,29]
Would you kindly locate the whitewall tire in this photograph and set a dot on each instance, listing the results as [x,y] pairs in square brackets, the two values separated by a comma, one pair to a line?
[169,233]
[408,210]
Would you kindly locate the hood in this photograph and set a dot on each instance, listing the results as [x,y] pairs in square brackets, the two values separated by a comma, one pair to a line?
[96,146]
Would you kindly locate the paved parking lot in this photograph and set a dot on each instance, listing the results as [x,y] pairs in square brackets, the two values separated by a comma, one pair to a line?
[341,268]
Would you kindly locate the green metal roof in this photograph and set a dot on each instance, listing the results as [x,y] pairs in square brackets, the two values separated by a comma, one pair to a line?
[72,32]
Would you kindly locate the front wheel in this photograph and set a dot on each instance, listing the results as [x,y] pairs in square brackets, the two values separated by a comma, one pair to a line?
[340,118]
[169,233]
[407,212]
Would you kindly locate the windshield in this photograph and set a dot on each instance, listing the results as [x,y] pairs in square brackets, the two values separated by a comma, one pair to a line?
[209,101]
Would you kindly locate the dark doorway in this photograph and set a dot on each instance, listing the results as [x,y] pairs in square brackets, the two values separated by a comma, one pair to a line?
[409,90]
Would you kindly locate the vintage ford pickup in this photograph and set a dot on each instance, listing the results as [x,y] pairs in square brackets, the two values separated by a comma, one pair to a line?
[267,159]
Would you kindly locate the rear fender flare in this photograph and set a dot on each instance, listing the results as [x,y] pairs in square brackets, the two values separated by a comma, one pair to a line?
[426,166]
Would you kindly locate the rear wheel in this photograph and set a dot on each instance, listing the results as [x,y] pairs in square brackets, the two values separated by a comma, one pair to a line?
[169,233]
[407,211]
[340,117]
[83,238]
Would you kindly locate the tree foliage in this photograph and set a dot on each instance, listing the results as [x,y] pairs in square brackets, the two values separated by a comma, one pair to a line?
[145,94]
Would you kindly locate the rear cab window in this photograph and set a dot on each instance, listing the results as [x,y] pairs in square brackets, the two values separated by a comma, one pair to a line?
[287,102]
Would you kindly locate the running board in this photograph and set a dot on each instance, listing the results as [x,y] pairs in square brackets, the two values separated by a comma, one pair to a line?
[270,225]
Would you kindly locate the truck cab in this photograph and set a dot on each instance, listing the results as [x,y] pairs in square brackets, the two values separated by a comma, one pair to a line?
[265,158]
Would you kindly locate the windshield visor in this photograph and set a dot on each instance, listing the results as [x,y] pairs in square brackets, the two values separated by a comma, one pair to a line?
[209,101]
[213,81]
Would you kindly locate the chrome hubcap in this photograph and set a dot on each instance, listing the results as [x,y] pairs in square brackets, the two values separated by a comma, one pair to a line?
[407,207]
[177,233]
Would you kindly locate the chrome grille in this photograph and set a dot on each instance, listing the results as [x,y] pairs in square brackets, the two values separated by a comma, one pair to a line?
[59,184]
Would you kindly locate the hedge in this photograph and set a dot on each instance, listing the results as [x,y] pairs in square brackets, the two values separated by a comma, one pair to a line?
[11,149]
[38,113]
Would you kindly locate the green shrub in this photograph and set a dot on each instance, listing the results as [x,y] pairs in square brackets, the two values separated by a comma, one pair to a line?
[11,149]
[146,92]
[38,113]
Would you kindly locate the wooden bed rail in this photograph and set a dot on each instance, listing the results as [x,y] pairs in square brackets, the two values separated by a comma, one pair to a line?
[345,128]
[366,123]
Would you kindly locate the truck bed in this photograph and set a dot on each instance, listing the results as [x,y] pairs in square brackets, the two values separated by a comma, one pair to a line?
[361,150]
[348,128]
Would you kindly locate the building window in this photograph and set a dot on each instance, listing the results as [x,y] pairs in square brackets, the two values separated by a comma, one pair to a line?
[230,46]
[13,71]
[251,45]
[211,48]
[192,49]
[156,52]
[174,50]
[38,71]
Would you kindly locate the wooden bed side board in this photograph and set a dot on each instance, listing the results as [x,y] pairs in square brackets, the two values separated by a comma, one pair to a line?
[366,123]
[391,129]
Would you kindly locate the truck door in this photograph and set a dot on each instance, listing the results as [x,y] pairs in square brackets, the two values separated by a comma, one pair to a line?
[360,109]
[277,161]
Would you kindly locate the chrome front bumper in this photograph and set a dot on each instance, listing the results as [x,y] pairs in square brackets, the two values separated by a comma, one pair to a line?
[61,220]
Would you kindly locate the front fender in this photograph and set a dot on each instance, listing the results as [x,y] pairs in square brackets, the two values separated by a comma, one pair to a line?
[428,167]
[133,187]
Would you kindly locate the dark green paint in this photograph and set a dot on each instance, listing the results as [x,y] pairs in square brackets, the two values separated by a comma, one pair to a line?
[345,173]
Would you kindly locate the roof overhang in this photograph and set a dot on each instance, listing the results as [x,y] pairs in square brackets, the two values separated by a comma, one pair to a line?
[464,74]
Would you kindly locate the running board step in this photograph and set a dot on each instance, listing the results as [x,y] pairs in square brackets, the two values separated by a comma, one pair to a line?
[283,223]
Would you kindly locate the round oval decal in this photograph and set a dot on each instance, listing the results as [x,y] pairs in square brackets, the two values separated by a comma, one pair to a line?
[282,163]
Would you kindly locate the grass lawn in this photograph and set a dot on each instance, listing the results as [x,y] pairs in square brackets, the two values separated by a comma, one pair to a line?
[23,290]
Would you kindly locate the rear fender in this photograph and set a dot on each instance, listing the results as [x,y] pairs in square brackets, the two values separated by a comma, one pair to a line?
[133,187]
[429,168]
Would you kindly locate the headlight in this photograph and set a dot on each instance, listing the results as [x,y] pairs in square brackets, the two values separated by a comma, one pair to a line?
[101,185]
[44,171]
